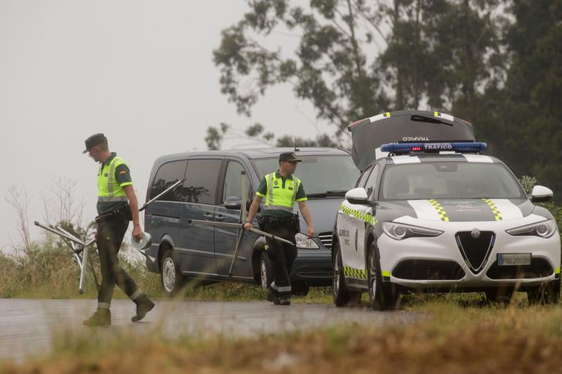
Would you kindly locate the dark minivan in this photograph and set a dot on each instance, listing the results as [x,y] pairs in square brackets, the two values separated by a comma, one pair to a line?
[212,191]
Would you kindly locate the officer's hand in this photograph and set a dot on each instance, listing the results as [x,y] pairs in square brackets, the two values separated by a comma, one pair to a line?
[310,231]
[96,234]
[137,233]
[248,226]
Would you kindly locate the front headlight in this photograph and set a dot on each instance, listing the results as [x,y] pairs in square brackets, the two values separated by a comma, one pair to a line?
[544,229]
[399,231]
[304,241]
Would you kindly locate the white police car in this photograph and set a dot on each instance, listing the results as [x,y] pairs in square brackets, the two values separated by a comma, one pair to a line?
[438,216]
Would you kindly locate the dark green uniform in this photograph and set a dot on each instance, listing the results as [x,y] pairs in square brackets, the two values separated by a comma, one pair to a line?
[113,220]
[279,196]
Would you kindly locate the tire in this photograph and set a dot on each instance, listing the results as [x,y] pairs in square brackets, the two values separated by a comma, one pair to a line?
[170,275]
[544,294]
[381,296]
[266,273]
[341,294]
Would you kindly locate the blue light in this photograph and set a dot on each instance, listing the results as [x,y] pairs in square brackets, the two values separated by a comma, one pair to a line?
[403,148]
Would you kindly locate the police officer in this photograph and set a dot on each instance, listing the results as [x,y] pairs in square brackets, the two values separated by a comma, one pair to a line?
[117,205]
[280,191]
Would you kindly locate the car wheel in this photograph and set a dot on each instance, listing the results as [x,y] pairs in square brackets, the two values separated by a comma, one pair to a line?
[548,293]
[266,273]
[341,294]
[171,276]
[381,296]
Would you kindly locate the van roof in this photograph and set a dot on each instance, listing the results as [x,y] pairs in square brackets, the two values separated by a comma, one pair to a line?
[255,153]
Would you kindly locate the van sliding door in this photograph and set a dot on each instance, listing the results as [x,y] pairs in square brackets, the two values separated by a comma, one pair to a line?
[199,191]
[225,238]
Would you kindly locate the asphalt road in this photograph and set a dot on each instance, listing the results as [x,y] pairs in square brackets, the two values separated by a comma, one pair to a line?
[27,327]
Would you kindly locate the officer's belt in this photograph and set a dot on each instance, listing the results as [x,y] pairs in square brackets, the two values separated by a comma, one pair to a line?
[120,211]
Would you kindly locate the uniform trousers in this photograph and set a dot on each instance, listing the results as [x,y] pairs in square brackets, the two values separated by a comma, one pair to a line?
[281,255]
[111,230]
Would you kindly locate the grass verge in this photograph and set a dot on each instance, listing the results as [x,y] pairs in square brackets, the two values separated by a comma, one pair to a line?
[456,338]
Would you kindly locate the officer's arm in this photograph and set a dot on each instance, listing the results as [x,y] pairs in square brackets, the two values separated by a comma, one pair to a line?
[307,217]
[133,202]
[253,210]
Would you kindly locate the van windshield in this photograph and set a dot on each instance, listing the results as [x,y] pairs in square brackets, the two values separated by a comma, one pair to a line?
[321,175]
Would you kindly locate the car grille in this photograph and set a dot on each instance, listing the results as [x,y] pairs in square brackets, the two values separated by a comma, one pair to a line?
[539,268]
[428,270]
[475,251]
[326,239]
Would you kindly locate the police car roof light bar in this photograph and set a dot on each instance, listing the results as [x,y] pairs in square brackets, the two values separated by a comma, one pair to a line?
[434,147]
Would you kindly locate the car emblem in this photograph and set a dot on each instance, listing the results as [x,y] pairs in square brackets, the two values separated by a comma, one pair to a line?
[475,233]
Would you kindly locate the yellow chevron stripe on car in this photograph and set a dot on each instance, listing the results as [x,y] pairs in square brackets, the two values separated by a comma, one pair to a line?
[494,208]
[350,272]
[365,217]
[440,210]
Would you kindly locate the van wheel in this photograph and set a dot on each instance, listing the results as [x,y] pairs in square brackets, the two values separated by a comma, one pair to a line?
[171,276]
[341,294]
[266,273]
[381,296]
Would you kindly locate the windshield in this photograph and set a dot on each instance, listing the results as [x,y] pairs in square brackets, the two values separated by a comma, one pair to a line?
[449,180]
[320,175]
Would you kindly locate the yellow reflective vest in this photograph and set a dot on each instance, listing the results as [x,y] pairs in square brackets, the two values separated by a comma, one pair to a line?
[109,189]
[279,198]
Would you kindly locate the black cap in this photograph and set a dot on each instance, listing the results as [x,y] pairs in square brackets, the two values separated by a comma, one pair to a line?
[289,156]
[94,140]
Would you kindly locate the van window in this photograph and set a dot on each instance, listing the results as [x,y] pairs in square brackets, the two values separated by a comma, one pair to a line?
[233,183]
[168,174]
[201,183]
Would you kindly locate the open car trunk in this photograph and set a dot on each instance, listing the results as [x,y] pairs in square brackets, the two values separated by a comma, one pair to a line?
[404,126]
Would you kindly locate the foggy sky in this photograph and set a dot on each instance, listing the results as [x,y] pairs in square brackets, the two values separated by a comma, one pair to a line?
[139,71]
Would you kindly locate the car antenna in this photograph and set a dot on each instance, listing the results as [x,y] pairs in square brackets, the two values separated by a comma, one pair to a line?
[295,141]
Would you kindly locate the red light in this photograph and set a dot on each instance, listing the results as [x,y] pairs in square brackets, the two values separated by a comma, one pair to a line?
[415,149]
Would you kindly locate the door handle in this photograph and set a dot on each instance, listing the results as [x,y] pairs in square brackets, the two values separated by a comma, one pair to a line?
[208,216]
[219,218]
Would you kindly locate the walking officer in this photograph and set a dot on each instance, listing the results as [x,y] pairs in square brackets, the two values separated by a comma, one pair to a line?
[280,190]
[117,205]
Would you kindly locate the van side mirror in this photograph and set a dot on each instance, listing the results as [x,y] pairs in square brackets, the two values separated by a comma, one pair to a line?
[233,202]
[541,194]
[357,196]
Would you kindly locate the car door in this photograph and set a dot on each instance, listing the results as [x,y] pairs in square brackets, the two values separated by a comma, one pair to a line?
[199,195]
[225,238]
[355,223]
[346,224]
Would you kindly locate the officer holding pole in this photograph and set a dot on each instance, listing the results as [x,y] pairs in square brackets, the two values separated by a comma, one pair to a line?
[280,190]
[117,205]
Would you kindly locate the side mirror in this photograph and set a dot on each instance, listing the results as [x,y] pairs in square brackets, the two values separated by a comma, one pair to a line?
[357,196]
[541,194]
[233,202]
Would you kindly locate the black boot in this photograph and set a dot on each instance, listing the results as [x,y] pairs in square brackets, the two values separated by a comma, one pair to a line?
[102,317]
[144,305]
[285,300]
[273,297]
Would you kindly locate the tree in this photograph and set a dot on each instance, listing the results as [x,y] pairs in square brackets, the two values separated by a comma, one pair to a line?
[532,106]
[333,65]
